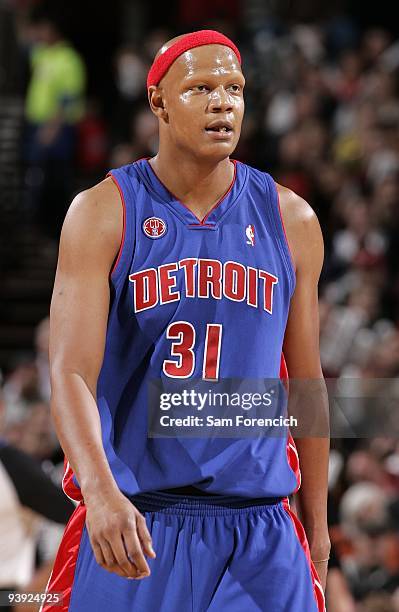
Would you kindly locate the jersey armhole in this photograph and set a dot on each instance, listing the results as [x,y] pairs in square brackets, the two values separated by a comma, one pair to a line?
[281,234]
[115,266]
[283,226]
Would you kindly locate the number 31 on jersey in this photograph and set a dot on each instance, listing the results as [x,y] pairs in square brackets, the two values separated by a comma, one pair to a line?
[182,333]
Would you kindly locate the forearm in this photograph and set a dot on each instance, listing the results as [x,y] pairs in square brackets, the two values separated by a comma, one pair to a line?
[77,422]
[309,404]
[312,496]
[117,530]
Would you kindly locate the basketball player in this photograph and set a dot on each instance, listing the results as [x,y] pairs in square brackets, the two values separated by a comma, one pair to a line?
[186,265]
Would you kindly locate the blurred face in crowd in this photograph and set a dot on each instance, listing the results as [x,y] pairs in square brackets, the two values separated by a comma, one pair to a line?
[44,32]
[200,103]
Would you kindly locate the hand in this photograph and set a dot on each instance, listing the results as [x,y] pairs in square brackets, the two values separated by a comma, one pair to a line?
[118,534]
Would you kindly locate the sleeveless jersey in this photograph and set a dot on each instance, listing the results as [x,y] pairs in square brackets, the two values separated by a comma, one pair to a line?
[195,299]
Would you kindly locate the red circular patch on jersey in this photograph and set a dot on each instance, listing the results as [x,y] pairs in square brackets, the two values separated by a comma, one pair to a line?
[154,227]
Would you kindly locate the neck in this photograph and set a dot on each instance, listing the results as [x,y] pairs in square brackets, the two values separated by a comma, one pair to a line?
[199,184]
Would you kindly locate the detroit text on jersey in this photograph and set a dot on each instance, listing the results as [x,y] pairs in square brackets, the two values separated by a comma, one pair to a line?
[203,278]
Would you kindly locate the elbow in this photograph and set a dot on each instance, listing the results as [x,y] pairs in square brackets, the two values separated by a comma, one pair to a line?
[67,379]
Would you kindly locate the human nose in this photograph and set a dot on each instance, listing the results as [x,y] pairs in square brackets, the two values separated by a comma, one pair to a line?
[220,100]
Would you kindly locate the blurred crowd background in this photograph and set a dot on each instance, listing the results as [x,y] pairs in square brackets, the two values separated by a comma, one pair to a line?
[322,116]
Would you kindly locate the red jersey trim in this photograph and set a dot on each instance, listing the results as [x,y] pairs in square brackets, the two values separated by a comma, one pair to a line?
[203,222]
[223,196]
[285,233]
[124,222]
[292,453]
[68,486]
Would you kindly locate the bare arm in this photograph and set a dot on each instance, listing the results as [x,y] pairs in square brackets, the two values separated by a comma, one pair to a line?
[89,243]
[78,319]
[301,352]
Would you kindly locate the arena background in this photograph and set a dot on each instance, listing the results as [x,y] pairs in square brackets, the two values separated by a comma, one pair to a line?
[322,116]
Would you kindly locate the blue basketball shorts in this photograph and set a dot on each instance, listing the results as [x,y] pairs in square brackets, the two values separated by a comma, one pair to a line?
[212,556]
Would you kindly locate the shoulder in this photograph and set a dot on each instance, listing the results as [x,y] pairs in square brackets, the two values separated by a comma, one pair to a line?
[301,225]
[95,219]
[99,203]
[69,60]
[297,215]
[295,209]
[68,52]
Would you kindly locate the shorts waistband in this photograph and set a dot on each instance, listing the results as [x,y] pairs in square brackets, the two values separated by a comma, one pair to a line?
[202,505]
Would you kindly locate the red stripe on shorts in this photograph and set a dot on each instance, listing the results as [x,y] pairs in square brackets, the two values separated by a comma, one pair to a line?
[301,535]
[63,573]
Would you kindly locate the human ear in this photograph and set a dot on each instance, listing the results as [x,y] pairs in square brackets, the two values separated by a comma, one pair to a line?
[157,102]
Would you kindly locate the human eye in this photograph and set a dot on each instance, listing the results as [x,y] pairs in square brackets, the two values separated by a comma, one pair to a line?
[235,88]
[200,88]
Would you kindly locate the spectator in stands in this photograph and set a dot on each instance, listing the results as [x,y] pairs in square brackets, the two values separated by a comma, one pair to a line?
[54,105]
[27,496]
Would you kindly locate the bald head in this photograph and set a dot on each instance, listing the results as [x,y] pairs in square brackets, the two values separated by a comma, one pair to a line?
[168,44]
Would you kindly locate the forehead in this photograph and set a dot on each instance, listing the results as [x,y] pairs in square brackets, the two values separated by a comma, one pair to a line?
[212,59]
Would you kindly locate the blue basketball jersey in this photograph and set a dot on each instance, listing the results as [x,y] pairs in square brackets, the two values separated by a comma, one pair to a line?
[194,299]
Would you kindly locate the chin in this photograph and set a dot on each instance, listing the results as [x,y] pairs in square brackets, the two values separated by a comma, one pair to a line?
[216,151]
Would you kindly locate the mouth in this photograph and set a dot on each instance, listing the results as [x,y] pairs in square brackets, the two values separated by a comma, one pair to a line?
[220,130]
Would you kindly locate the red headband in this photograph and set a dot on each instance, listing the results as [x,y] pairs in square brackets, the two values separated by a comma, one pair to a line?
[196,39]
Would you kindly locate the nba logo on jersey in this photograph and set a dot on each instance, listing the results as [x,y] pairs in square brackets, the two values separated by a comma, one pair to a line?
[250,234]
[154,227]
